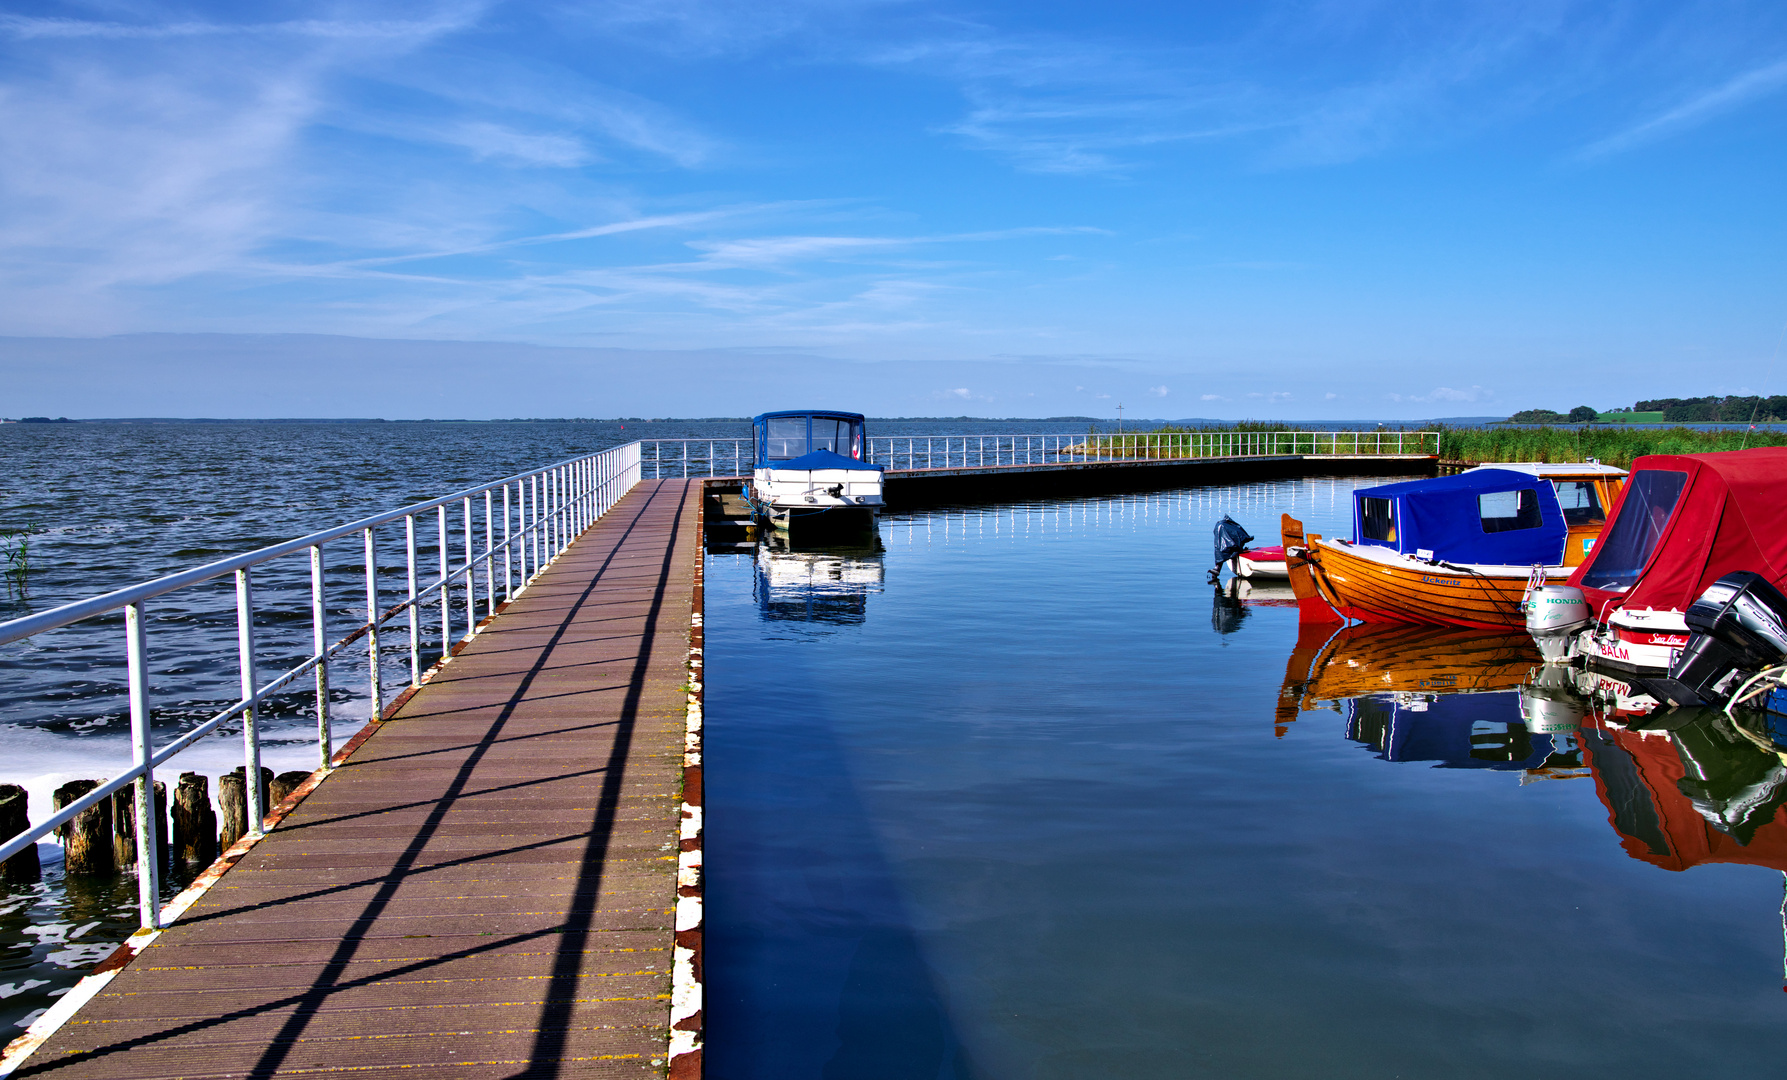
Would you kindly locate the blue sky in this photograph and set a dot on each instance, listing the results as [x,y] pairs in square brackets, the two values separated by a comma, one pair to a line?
[1319,209]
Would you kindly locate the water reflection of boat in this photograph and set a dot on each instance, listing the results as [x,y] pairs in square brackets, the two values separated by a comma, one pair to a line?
[829,585]
[1457,698]
[1377,658]
[1231,601]
[1457,731]
[1690,788]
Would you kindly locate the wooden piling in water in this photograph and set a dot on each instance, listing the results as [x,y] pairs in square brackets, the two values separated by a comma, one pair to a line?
[283,785]
[232,805]
[15,818]
[195,823]
[87,839]
[124,829]
[232,810]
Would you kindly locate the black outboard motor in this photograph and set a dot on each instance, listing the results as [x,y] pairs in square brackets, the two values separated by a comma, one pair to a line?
[1739,627]
[1231,540]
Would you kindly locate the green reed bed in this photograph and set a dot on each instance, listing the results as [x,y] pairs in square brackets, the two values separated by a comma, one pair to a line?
[1614,446]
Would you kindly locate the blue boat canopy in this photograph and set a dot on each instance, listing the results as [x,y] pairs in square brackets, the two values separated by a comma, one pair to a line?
[783,437]
[1485,516]
[825,459]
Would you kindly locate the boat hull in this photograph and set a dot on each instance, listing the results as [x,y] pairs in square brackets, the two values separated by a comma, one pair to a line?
[805,523]
[1373,591]
[1260,563]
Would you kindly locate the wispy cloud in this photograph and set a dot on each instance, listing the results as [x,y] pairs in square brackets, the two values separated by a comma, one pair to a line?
[1447,394]
[1698,109]
[26,27]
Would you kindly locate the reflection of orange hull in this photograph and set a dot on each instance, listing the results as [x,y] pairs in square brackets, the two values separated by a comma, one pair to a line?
[1387,658]
[1362,588]
[1665,830]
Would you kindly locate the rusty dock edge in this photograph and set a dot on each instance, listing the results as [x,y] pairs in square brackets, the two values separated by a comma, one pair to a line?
[687,978]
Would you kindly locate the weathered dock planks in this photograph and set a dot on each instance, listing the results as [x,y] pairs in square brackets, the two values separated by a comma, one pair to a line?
[486,884]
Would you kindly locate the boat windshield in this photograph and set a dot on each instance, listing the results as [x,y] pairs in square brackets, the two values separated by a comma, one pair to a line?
[1378,519]
[787,437]
[1581,505]
[833,435]
[1632,538]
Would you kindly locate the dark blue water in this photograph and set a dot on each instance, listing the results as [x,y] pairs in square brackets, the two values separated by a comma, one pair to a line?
[1021,796]
[114,504]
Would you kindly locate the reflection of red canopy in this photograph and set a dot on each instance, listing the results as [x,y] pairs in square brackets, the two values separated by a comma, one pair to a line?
[1731,516]
[1655,821]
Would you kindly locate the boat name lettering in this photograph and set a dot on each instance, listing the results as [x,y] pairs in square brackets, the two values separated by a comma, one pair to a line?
[1434,579]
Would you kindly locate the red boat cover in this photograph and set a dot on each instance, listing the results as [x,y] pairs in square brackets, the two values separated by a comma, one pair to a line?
[1275,553]
[1732,515]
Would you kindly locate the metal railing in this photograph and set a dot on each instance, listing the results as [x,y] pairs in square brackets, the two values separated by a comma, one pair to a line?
[733,457]
[678,458]
[538,516]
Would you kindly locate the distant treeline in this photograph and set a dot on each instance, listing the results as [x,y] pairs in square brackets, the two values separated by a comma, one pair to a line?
[1716,410]
[1700,410]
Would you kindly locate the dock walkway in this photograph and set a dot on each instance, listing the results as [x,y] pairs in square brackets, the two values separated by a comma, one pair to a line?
[484,887]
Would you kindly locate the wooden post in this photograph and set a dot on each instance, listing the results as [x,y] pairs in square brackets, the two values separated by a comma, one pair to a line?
[124,830]
[15,818]
[195,823]
[283,785]
[232,802]
[86,840]
[232,809]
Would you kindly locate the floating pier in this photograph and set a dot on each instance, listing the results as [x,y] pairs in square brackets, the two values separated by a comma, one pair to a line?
[487,884]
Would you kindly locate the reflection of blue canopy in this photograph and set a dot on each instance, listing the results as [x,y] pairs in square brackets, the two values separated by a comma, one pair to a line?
[824,459]
[1486,516]
[1458,731]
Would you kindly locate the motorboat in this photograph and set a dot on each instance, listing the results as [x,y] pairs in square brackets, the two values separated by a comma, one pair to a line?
[1683,522]
[1234,549]
[1261,562]
[812,474]
[1460,550]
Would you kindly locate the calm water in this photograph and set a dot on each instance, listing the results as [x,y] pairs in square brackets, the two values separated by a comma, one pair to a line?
[118,503]
[1021,796]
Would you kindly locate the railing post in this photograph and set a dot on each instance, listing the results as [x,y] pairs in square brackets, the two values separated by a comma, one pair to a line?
[319,643]
[251,734]
[489,558]
[409,544]
[374,685]
[471,579]
[148,817]
[508,550]
[446,590]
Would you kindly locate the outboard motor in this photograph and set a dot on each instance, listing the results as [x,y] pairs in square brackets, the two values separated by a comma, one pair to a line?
[1554,615]
[1231,540]
[1739,627]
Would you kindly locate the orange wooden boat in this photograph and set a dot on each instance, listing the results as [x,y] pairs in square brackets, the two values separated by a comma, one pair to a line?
[1380,576]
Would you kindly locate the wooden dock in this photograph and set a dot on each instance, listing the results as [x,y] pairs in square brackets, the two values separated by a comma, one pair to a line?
[487,884]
